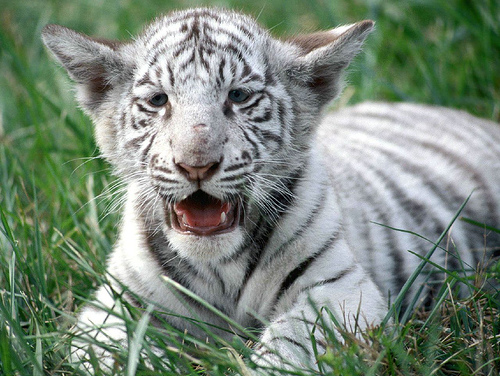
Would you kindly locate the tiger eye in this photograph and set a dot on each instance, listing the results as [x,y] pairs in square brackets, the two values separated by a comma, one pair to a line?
[158,100]
[238,96]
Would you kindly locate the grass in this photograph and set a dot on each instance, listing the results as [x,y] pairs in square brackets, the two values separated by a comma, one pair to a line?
[55,234]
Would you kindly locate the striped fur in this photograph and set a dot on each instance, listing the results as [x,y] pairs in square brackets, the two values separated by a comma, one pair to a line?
[206,101]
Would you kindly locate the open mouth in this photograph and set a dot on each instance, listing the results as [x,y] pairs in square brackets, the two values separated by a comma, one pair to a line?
[202,214]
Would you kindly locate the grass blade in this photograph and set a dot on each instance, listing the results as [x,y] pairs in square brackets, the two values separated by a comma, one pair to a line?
[396,306]
[137,340]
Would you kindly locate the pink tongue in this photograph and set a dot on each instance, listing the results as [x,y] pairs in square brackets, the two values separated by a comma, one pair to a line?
[201,210]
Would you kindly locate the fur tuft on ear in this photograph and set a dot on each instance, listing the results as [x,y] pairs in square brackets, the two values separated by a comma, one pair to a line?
[323,57]
[93,64]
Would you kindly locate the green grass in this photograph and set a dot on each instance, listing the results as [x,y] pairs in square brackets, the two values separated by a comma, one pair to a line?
[56,229]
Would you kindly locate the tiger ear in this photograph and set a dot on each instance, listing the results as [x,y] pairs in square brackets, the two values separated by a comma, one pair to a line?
[323,57]
[95,65]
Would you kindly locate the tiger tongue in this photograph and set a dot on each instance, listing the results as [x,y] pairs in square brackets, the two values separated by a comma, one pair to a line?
[201,210]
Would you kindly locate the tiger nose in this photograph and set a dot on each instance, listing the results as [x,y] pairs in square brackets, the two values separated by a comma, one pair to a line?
[198,173]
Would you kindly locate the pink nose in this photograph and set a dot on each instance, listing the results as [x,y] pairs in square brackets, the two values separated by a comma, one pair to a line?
[198,173]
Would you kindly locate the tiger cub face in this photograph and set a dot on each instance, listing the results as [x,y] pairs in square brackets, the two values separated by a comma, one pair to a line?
[208,100]
[207,118]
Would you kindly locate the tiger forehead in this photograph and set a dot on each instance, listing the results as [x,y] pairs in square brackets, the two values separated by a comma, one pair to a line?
[203,50]
[207,29]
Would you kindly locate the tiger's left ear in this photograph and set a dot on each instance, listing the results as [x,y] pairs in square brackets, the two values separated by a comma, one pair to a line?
[323,57]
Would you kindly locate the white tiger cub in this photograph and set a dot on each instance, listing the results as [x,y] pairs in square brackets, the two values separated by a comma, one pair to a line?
[237,190]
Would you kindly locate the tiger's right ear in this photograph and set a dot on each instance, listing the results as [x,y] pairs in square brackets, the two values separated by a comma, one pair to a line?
[95,65]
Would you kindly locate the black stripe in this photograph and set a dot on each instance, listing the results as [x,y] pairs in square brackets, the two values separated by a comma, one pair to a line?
[194,31]
[159,74]
[302,320]
[416,211]
[201,53]
[124,123]
[180,48]
[218,277]
[269,78]
[145,80]
[372,200]
[246,70]
[304,265]
[256,152]
[229,47]
[313,215]
[188,62]
[341,275]
[255,77]
[160,249]
[256,102]
[232,178]
[269,136]
[266,352]
[236,166]
[159,45]
[221,68]
[398,275]
[285,194]
[136,142]
[146,150]
[163,169]
[227,110]
[367,235]
[259,134]
[164,179]
[282,118]
[143,123]
[250,34]
[321,342]
[171,75]
[257,243]
[234,39]
[292,341]
[262,119]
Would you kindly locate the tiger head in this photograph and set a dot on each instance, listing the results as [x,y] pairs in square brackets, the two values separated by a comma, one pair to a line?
[207,118]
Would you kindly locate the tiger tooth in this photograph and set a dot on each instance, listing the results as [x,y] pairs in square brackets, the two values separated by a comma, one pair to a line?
[223,217]
[184,218]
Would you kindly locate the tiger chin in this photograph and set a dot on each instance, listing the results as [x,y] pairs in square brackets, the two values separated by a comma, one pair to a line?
[241,189]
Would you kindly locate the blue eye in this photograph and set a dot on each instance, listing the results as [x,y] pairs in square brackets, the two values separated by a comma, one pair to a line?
[238,96]
[159,100]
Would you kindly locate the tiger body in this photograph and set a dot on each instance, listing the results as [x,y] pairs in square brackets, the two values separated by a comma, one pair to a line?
[240,193]
[411,167]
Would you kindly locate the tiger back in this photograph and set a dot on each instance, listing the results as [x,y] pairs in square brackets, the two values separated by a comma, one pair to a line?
[411,168]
